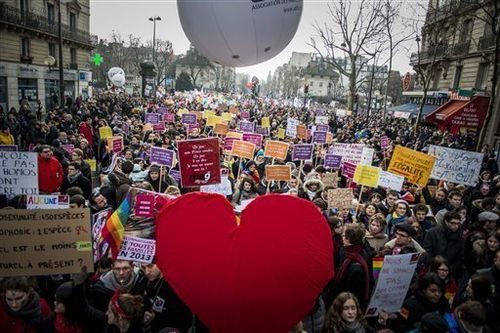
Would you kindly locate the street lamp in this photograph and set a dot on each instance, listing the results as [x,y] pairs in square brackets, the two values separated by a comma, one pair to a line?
[154,19]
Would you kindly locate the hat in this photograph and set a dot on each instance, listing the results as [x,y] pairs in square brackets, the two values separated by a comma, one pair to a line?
[406,228]
[487,216]
[64,293]
[260,153]
[154,168]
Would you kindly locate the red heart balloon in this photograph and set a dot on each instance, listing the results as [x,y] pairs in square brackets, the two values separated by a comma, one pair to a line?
[261,276]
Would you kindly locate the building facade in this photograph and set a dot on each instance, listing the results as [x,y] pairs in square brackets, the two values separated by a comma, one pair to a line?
[29,51]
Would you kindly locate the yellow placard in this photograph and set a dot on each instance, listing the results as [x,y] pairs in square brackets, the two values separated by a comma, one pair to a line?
[415,166]
[180,112]
[213,120]
[105,132]
[220,129]
[208,113]
[265,122]
[367,175]
[227,116]
[281,133]
[93,164]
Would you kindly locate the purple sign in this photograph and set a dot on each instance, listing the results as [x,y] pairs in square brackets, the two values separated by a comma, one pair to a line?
[322,128]
[169,117]
[302,152]
[228,143]
[8,147]
[189,118]
[160,127]
[245,114]
[126,128]
[256,139]
[263,131]
[152,118]
[163,110]
[332,161]
[320,112]
[162,156]
[175,174]
[348,170]
[319,137]
[384,142]
[246,126]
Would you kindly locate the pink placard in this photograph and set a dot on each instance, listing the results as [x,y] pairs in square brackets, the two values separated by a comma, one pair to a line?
[144,204]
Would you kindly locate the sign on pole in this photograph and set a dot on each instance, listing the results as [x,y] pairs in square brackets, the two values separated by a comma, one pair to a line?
[390,180]
[199,162]
[276,149]
[162,156]
[302,152]
[366,175]
[340,198]
[278,173]
[243,149]
[413,165]
[455,165]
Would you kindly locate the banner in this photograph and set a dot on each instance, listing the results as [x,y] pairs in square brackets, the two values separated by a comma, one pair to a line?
[105,132]
[243,149]
[332,161]
[256,139]
[340,198]
[302,152]
[265,123]
[348,170]
[455,165]
[291,127]
[278,173]
[47,202]
[18,173]
[413,165]
[319,137]
[247,126]
[366,175]
[137,249]
[162,156]
[45,242]
[199,162]
[276,149]
[392,285]
[350,152]
[390,180]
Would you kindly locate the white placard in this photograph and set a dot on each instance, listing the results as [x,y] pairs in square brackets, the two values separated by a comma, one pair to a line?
[242,205]
[18,173]
[390,180]
[367,155]
[47,201]
[137,249]
[455,165]
[321,120]
[223,188]
[350,152]
[291,127]
[392,284]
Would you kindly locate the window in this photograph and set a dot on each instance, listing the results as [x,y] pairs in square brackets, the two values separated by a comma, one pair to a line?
[321,84]
[482,75]
[72,21]
[466,31]
[458,75]
[51,16]
[72,55]
[52,50]
[437,77]
[25,47]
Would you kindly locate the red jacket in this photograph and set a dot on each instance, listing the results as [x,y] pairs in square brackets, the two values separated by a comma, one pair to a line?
[13,324]
[50,175]
[87,132]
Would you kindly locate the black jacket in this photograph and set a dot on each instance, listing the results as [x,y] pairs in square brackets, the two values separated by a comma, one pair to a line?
[440,241]
[414,308]
[81,181]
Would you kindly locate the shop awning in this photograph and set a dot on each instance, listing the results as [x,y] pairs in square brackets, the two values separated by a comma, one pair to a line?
[459,113]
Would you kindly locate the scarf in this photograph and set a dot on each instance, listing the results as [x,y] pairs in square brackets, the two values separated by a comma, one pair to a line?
[353,253]
[73,178]
[30,314]
[354,327]
[111,283]
[62,326]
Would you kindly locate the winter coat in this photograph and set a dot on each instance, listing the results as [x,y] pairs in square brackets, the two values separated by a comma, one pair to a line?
[377,241]
[81,181]
[391,221]
[87,132]
[435,205]
[122,186]
[414,308]
[307,193]
[27,320]
[392,243]
[440,241]
[6,139]
[50,175]
[315,320]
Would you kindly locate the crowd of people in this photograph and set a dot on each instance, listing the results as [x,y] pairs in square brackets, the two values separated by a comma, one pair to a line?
[454,228]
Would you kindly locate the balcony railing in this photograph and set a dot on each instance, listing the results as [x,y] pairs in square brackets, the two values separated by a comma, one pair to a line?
[438,52]
[452,8]
[486,42]
[460,48]
[29,20]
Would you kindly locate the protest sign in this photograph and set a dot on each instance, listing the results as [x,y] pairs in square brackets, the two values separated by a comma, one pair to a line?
[281,133]
[169,117]
[162,156]
[247,126]
[330,179]
[228,143]
[278,172]
[390,180]
[144,204]
[152,118]
[384,142]
[367,156]
[350,152]
[332,161]
[262,131]
[392,285]
[302,152]
[224,188]
[234,110]
[160,127]
[322,128]
[69,148]
[213,120]
[291,127]
[8,148]
[47,201]
[413,165]
[105,132]
[319,137]
[302,132]
[115,144]
[98,222]
[162,109]
[233,134]
[329,138]
[276,149]
[227,116]
[189,118]
[45,242]
[366,175]
[340,198]
[243,149]
[245,114]
[256,139]
[348,170]
[265,122]
[92,164]
[221,129]
[175,174]
[321,120]
[199,162]
[137,249]
[18,173]
[455,165]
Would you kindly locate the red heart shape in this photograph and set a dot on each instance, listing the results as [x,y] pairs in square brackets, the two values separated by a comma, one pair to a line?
[261,276]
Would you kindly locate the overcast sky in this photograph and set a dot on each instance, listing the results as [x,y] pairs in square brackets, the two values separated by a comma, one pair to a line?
[131,17]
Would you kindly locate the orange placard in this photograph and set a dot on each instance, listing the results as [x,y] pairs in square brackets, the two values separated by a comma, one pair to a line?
[234,110]
[278,172]
[276,149]
[232,134]
[302,132]
[221,129]
[243,149]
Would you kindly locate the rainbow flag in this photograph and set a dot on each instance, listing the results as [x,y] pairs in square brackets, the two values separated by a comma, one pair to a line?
[114,229]
[377,262]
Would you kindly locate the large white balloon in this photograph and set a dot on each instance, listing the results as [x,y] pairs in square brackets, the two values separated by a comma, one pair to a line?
[118,80]
[113,71]
[240,32]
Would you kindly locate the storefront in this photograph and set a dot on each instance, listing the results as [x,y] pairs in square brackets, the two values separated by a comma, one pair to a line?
[27,89]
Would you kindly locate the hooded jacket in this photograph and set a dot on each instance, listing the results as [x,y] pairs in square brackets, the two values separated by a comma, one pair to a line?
[310,195]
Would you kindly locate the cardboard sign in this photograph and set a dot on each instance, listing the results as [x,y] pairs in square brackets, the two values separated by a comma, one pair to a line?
[137,249]
[243,149]
[265,122]
[8,148]
[256,139]
[384,142]
[144,204]
[276,149]
[278,172]
[350,152]
[413,165]
[291,127]
[105,132]
[115,144]
[301,132]
[92,164]
[348,170]
[340,198]
[367,175]
[169,117]
[47,201]
[332,161]
[281,133]
[224,188]
[221,129]
[228,143]
[390,180]
[319,137]
[302,152]
[162,156]
[392,285]
[18,173]
[330,179]
[246,126]
[189,119]
[45,242]
[455,165]
[199,162]
[152,118]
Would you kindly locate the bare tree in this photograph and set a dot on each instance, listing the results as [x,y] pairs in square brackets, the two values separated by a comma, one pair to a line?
[352,29]
[195,64]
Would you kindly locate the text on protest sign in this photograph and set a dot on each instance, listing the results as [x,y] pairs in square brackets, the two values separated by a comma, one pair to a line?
[332,161]
[392,284]
[144,204]
[47,201]
[319,137]
[291,127]
[199,162]
[321,120]
[256,139]
[366,175]
[278,172]
[105,132]
[348,170]
[228,144]
[189,118]
[243,149]
[331,179]
[152,118]
[162,156]
[45,242]
[247,126]
[8,148]
[264,131]
[223,188]
[455,165]
[276,149]
[350,152]
[302,152]
[390,180]
[115,144]
[98,222]
[18,173]
[221,128]
[340,198]
[384,142]
[137,249]
[413,165]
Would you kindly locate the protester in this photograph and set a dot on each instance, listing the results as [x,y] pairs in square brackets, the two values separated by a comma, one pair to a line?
[346,316]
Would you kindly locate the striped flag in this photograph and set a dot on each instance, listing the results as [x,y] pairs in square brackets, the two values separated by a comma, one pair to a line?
[114,229]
